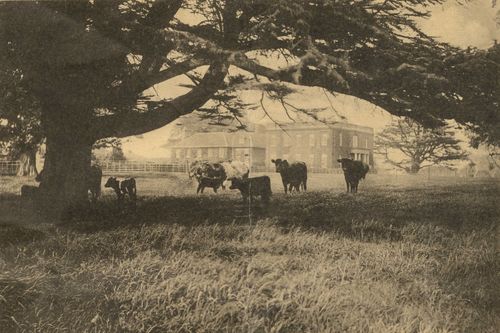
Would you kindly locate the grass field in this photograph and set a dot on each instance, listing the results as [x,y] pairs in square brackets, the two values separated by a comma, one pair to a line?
[405,254]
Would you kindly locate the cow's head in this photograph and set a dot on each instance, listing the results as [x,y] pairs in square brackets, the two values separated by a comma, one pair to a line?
[235,183]
[345,162]
[111,182]
[281,165]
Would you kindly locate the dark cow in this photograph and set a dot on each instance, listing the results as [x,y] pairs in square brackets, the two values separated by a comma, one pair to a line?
[29,194]
[123,188]
[93,178]
[213,182]
[292,175]
[251,187]
[353,172]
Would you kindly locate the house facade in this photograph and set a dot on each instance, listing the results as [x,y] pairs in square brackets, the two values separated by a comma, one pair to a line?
[248,147]
[319,145]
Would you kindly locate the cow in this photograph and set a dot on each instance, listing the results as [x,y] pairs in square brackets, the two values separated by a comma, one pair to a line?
[292,175]
[123,188]
[213,182]
[208,175]
[235,170]
[353,172]
[254,186]
[93,180]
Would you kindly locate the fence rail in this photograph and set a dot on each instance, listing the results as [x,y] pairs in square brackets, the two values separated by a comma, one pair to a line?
[9,168]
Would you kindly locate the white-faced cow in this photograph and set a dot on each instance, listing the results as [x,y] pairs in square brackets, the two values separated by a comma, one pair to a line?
[252,187]
[293,175]
[353,172]
[235,170]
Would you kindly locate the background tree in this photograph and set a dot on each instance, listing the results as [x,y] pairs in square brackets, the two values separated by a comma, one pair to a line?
[420,147]
[20,129]
[88,63]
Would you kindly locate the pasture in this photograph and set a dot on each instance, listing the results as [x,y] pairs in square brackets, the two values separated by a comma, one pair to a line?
[405,254]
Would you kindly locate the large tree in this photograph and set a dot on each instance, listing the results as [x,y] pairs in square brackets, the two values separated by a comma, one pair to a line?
[89,63]
[408,145]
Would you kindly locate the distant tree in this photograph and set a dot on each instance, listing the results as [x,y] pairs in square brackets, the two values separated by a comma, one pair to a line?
[421,147]
[89,64]
[20,128]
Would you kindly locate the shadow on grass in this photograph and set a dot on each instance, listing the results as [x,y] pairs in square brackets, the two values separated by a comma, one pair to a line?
[368,216]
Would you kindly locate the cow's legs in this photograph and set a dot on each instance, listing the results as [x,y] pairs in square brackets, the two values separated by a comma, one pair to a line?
[284,186]
[215,189]
[347,184]
[198,189]
[304,183]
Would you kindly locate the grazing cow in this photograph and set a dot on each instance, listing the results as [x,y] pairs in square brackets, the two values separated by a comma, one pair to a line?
[93,178]
[353,172]
[122,188]
[292,175]
[254,186]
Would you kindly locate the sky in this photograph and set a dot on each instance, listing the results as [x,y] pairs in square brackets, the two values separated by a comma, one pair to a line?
[471,24]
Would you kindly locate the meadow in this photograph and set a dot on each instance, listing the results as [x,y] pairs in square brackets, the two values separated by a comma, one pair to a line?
[405,254]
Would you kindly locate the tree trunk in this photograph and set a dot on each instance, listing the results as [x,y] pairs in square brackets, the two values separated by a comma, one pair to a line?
[63,186]
[27,166]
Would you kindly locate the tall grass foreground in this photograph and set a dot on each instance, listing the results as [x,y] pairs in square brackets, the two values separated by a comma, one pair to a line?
[384,260]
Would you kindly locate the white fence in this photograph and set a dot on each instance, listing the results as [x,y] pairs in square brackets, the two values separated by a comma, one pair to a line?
[9,168]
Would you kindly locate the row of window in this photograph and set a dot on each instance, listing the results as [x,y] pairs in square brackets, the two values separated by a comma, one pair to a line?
[312,140]
[206,152]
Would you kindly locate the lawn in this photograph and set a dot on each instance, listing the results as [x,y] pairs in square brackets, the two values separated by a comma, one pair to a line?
[403,255]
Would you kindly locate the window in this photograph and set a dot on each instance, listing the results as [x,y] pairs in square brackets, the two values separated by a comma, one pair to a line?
[324,161]
[199,153]
[311,159]
[241,140]
[311,140]
[324,139]
[355,141]
[211,152]
[340,139]
[177,153]
[366,143]
[222,152]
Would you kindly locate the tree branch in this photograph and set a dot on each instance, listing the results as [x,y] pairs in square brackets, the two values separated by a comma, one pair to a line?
[161,113]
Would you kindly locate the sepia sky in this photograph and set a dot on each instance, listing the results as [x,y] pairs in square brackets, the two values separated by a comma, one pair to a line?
[472,24]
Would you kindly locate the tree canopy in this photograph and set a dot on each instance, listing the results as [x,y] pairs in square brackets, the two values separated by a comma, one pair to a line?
[420,147]
[105,54]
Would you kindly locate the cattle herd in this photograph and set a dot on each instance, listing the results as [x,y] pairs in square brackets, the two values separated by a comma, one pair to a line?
[215,176]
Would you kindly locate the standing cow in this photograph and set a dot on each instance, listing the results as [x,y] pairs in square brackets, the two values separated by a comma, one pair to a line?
[292,175]
[208,175]
[353,172]
[252,187]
